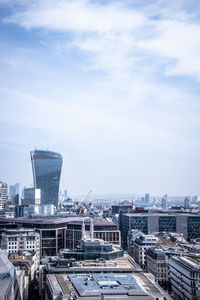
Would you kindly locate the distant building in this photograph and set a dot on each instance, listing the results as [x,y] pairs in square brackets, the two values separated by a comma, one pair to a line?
[46,167]
[164,204]
[147,198]
[3,195]
[124,206]
[17,188]
[187,202]
[12,190]
[32,196]
[185,276]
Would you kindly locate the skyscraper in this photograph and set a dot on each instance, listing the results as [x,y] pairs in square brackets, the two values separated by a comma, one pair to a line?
[147,198]
[46,167]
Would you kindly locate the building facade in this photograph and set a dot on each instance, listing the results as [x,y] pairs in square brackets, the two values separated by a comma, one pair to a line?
[32,196]
[185,278]
[3,195]
[140,246]
[15,240]
[46,167]
[187,224]
[156,264]
[62,233]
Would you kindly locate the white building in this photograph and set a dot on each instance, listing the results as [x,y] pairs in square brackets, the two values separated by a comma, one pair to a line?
[3,195]
[185,278]
[140,247]
[15,240]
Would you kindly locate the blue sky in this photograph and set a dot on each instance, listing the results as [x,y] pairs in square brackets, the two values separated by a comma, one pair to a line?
[112,85]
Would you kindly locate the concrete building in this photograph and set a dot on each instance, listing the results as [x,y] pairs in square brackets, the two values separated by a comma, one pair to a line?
[118,286]
[118,265]
[62,233]
[21,239]
[132,235]
[3,195]
[186,223]
[156,264]
[140,246]
[185,278]
[26,266]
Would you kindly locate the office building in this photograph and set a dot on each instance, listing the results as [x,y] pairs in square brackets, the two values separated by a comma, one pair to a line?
[187,202]
[147,198]
[32,196]
[107,286]
[9,288]
[156,264]
[185,278]
[93,249]
[140,246]
[164,204]
[3,195]
[46,167]
[62,233]
[12,190]
[186,223]
[21,239]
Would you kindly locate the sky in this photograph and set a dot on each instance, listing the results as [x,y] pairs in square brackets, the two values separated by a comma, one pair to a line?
[114,86]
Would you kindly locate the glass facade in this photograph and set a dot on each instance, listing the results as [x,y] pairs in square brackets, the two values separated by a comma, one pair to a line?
[46,167]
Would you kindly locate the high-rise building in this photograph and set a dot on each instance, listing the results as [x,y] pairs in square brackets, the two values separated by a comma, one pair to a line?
[32,196]
[3,195]
[147,198]
[187,202]
[11,190]
[46,167]
[17,188]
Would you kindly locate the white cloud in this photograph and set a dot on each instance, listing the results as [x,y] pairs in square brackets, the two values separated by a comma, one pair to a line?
[131,106]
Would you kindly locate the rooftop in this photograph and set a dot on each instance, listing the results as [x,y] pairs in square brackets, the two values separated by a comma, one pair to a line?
[107,286]
[123,264]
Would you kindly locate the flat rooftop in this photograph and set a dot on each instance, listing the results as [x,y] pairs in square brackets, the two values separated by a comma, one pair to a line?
[123,264]
[107,286]
[172,214]
[54,220]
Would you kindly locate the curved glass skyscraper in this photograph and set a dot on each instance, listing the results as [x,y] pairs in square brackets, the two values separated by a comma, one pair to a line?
[46,167]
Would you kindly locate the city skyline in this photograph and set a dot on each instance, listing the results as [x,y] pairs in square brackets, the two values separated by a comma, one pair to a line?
[112,86]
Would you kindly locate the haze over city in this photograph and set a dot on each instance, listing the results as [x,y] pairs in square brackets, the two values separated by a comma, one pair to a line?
[111,85]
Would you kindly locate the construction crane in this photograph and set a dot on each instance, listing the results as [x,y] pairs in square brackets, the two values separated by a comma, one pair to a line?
[87,199]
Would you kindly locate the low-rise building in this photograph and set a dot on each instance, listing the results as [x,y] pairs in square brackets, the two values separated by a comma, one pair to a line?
[93,249]
[26,270]
[22,239]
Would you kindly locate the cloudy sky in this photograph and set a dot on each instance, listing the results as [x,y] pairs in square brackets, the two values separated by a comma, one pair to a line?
[114,86]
